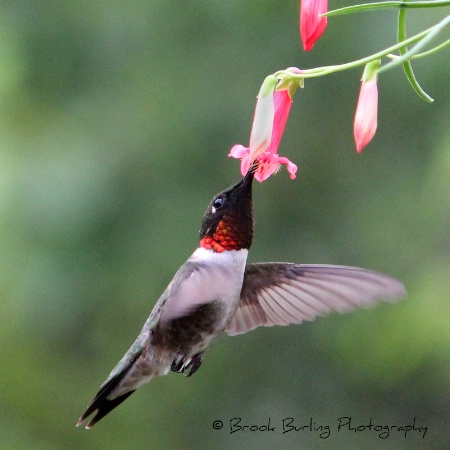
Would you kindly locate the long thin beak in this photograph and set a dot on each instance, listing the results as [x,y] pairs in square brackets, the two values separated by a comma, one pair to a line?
[250,173]
[246,181]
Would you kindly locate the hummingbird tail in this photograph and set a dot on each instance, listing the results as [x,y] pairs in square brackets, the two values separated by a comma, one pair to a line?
[101,404]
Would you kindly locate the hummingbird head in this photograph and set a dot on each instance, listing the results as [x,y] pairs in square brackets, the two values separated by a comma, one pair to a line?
[228,220]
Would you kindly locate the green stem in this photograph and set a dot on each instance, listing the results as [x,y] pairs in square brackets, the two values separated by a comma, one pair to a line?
[386,5]
[325,70]
[431,33]
[425,36]
[407,67]
[431,51]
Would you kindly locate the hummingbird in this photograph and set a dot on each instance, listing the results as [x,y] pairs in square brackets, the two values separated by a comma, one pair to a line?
[216,291]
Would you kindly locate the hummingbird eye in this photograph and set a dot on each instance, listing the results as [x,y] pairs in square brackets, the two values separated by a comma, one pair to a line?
[218,202]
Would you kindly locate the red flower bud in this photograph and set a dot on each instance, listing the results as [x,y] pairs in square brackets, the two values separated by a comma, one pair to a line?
[311,24]
[366,114]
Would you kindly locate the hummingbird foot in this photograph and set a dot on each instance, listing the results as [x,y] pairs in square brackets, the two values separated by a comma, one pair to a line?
[180,365]
[195,364]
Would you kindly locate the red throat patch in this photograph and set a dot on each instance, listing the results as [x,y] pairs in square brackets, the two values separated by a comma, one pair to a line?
[226,237]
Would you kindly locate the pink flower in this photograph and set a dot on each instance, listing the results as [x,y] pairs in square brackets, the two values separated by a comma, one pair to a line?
[271,114]
[311,24]
[269,163]
[366,113]
[269,159]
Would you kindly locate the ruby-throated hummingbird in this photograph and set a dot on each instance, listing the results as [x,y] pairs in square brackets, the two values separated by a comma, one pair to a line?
[214,291]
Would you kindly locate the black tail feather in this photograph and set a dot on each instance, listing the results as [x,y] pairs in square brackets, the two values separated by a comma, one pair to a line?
[101,403]
[106,407]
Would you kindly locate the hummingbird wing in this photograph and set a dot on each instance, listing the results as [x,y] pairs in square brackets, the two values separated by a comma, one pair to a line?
[285,293]
[198,283]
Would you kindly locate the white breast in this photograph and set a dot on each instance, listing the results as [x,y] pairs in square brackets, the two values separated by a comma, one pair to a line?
[218,276]
[233,258]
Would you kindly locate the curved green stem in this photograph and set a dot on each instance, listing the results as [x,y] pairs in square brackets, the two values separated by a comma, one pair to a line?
[407,67]
[431,34]
[386,5]
[325,70]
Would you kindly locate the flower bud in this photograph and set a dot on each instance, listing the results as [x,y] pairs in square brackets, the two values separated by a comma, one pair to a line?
[365,124]
[312,25]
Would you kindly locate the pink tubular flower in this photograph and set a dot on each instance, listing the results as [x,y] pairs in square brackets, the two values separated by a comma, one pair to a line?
[365,124]
[268,125]
[312,25]
[269,159]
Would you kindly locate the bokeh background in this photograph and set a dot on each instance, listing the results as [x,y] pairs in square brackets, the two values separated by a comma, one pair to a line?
[115,123]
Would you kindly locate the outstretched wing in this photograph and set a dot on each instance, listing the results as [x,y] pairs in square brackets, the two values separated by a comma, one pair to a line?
[284,293]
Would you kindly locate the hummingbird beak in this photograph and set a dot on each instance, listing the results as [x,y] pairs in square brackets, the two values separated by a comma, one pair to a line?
[250,173]
[243,188]
[246,181]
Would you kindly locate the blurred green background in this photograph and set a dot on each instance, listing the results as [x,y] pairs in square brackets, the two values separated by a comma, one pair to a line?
[115,123]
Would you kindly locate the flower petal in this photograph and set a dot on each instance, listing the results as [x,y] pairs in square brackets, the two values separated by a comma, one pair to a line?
[269,163]
[283,103]
[238,151]
[261,133]
[290,166]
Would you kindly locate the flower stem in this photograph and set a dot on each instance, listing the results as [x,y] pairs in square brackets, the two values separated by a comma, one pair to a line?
[427,53]
[407,67]
[431,33]
[325,70]
[424,37]
[386,5]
